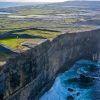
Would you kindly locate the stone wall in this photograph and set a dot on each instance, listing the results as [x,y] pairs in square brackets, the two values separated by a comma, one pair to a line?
[25,75]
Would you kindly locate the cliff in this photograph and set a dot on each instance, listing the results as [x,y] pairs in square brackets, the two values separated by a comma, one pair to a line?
[25,75]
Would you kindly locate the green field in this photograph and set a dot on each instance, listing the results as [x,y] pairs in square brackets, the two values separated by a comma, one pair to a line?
[34,12]
[15,43]
[12,43]
[45,34]
[56,24]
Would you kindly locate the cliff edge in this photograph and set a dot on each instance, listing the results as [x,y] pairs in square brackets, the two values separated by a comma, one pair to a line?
[24,75]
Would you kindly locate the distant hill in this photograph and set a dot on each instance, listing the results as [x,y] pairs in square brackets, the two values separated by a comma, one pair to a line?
[80,3]
[66,4]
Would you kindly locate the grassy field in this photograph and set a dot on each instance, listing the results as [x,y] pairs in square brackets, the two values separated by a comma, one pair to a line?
[60,24]
[12,43]
[45,34]
[71,20]
[61,19]
[19,25]
[34,12]
[79,29]
[15,43]
[8,24]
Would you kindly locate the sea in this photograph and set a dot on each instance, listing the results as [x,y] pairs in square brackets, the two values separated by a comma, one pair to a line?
[13,4]
[69,85]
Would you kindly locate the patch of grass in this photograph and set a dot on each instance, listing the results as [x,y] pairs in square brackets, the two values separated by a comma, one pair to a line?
[79,29]
[34,12]
[12,43]
[45,34]
[15,43]
[7,24]
[8,27]
[19,25]
[71,20]
[4,30]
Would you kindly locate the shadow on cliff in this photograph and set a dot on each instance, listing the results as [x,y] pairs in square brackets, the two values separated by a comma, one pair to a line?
[4,49]
[26,36]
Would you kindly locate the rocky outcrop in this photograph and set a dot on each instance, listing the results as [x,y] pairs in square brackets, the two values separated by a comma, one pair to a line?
[26,74]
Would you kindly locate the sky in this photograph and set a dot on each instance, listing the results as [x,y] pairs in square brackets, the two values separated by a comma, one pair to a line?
[32,0]
[38,0]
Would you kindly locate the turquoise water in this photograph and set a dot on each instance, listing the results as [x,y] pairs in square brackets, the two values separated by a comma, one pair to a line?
[59,90]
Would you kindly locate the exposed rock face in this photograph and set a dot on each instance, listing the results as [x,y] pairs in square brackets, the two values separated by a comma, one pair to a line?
[70,90]
[24,76]
[78,93]
[70,98]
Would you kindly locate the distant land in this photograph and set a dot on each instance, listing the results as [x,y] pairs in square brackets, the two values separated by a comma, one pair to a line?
[15,4]
[66,3]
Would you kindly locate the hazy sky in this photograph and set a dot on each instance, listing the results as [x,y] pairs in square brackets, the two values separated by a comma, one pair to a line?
[33,0]
[39,0]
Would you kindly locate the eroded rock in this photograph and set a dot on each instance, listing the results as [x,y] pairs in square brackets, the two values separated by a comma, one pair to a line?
[70,90]
[70,98]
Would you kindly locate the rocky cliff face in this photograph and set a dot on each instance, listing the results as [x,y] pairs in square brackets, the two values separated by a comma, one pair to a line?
[25,75]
